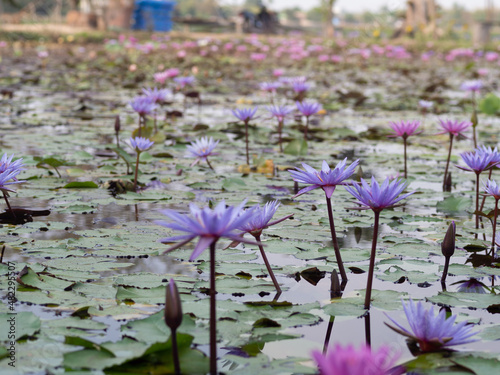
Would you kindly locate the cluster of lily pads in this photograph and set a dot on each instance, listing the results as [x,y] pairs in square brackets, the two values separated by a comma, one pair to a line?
[166,137]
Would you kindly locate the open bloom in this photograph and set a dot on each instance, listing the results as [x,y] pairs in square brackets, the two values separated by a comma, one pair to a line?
[207,224]
[308,108]
[404,128]
[489,150]
[9,171]
[425,104]
[364,361]
[270,86]
[299,87]
[184,81]
[477,161]
[157,96]
[474,85]
[202,148]
[432,332]
[244,114]
[327,178]
[140,144]
[261,218]
[454,127]
[377,197]
[492,189]
[143,105]
[471,286]
[280,111]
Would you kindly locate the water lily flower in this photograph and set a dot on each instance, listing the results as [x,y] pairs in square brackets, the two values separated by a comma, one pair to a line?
[245,115]
[184,81]
[471,286]
[404,129]
[308,109]
[157,95]
[425,104]
[472,86]
[257,223]
[280,113]
[453,128]
[363,361]
[270,86]
[143,105]
[478,162]
[492,189]
[328,180]
[432,332]
[139,144]
[209,225]
[377,198]
[202,148]
[8,176]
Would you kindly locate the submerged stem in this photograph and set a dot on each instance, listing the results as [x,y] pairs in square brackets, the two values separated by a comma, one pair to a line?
[268,266]
[372,260]
[338,257]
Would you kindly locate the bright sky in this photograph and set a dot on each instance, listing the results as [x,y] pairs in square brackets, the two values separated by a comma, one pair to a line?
[361,5]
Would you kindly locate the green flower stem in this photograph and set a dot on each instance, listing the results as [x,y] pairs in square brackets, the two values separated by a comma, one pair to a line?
[404,143]
[306,128]
[280,130]
[372,260]
[338,257]
[445,269]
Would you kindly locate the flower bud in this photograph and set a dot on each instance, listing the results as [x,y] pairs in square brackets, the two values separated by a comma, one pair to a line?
[173,307]
[448,244]
[117,124]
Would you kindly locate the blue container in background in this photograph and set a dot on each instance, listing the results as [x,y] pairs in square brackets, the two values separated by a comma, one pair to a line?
[153,15]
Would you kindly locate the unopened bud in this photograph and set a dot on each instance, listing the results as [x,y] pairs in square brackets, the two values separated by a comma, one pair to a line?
[448,244]
[473,119]
[117,124]
[173,307]
[335,288]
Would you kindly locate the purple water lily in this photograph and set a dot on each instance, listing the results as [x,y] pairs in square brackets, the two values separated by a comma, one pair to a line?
[404,129]
[377,198]
[208,225]
[328,180]
[8,176]
[202,148]
[184,81]
[143,105]
[478,162]
[280,113]
[245,115]
[139,144]
[363,361]
[308,109]
[492,189]
[257,223]
[432,332]
[453,128]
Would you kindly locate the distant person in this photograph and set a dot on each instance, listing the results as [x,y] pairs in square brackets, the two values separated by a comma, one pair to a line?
[248,20]
[265,20]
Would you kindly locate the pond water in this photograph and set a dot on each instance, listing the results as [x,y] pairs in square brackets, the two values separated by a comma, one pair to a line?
[93,271]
